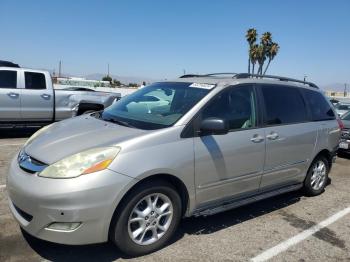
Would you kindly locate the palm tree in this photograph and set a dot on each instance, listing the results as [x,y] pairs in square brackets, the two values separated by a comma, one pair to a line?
[251,39]
[261,57]
[258,53]
[266,39]
[253,53]
[272,52]
[265,44]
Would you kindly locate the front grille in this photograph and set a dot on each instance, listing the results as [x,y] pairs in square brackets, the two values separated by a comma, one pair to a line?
[23,214]
[30,164]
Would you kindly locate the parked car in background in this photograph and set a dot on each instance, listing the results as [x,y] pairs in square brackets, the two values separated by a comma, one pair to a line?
[209,143]
[342,108]
[27,97]
[344,145]
[333,101]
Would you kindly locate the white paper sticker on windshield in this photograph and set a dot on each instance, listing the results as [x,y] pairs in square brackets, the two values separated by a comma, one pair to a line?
[204,86]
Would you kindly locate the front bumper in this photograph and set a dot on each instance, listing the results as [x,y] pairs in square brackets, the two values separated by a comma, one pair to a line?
[37,202]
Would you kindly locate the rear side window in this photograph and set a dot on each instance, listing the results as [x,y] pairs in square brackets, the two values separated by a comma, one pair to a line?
[8,79]
[284,105]
[319,107]
[35,80]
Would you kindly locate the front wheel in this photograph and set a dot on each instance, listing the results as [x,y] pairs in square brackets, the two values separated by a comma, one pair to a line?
[147,218]
[317,177]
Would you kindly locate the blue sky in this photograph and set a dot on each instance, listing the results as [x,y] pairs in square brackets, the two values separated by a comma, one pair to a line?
[159,39]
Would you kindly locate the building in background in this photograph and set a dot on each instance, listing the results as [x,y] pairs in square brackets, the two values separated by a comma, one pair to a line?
[79,81]
[337,94]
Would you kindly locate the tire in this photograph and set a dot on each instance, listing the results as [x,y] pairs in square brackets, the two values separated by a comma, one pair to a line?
[152,218]
[317,177]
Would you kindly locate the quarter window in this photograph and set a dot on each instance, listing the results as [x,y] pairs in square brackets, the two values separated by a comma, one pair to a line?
[236,106]
[319,107]
[284,105]
[8,79]
[35,80]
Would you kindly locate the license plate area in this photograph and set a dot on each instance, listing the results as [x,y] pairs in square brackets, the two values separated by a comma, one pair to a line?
[344,145]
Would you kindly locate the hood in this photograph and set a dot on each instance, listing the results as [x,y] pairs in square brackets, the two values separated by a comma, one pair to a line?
[77,134]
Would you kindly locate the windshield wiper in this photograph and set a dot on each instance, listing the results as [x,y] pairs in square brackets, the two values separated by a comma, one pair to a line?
[119,122]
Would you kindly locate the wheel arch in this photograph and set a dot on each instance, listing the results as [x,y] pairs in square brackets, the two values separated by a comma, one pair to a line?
[178,184]
[85,106]
[325,153]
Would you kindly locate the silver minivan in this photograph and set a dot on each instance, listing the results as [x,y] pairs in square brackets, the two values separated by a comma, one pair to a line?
[198,145]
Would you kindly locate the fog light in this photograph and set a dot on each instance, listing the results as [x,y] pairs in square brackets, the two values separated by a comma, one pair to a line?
[63,226]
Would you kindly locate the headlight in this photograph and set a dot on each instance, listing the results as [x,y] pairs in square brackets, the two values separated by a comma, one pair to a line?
[83,163]
[41,130]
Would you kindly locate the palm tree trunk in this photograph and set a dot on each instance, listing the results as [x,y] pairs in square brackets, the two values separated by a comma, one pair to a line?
[249,65]
[253,69]
[259,69]
[267,66]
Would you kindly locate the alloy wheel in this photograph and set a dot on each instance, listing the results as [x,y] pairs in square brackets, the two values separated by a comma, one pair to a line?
[150,219]
[318,176]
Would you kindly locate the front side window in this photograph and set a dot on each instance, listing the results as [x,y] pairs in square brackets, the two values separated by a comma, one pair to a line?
[319,107]
[236,106]
[283,105]
[156,106]
[8,79]
[35,80]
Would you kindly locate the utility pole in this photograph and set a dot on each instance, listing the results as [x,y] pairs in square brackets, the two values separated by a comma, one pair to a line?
[59,68]
[345,91]
[108,69]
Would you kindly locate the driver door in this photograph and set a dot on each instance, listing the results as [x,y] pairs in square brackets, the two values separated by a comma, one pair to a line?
[230,165]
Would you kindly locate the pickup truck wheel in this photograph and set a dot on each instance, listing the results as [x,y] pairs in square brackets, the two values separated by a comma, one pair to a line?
[317,177]
[147,219]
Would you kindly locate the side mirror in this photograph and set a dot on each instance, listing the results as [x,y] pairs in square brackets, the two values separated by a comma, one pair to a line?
[214,126]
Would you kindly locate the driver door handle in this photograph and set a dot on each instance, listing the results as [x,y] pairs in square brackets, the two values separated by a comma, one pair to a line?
[45,96]
[13,95]
[257,138]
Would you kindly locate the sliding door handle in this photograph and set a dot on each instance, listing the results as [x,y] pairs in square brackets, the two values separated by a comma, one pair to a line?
[272,136]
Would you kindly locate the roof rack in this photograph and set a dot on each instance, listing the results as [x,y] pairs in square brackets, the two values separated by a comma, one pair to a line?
[247,75]
[190,75]
[281,78]
[8,64]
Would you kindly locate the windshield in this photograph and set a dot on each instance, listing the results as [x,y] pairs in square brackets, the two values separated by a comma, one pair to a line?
[156,106]
[346,116]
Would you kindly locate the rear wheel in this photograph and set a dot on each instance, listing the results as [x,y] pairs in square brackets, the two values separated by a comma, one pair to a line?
[317,177]
[147,218]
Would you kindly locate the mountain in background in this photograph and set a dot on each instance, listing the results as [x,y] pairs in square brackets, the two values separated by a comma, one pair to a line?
[123,79]
[98,76]
[335,87]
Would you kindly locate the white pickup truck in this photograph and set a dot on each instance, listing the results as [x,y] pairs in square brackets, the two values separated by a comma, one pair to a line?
[27,97]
